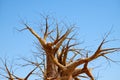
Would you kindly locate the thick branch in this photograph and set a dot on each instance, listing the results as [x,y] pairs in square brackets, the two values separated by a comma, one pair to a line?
[9,73]
[59,42]
[76,72]
[30,73]
[58,33]
[36,35]
[67,49]
[88,71]
[46,30]
[10,76]
[57,63]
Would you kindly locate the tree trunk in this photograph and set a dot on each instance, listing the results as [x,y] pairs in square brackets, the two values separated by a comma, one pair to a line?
[51,68]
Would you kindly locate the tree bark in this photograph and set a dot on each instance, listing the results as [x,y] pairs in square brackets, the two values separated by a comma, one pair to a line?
[51,68]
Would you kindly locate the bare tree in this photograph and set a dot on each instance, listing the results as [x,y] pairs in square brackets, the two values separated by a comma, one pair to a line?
[57,45]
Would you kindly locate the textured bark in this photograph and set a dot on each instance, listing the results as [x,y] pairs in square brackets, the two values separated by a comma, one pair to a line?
[51,68]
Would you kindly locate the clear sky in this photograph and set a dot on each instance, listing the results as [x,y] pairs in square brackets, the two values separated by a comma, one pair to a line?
[93,17]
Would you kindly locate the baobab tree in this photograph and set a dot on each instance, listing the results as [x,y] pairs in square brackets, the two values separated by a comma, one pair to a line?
[60,54]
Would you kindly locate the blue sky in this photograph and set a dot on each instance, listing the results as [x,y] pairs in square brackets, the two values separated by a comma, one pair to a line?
[93,17]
